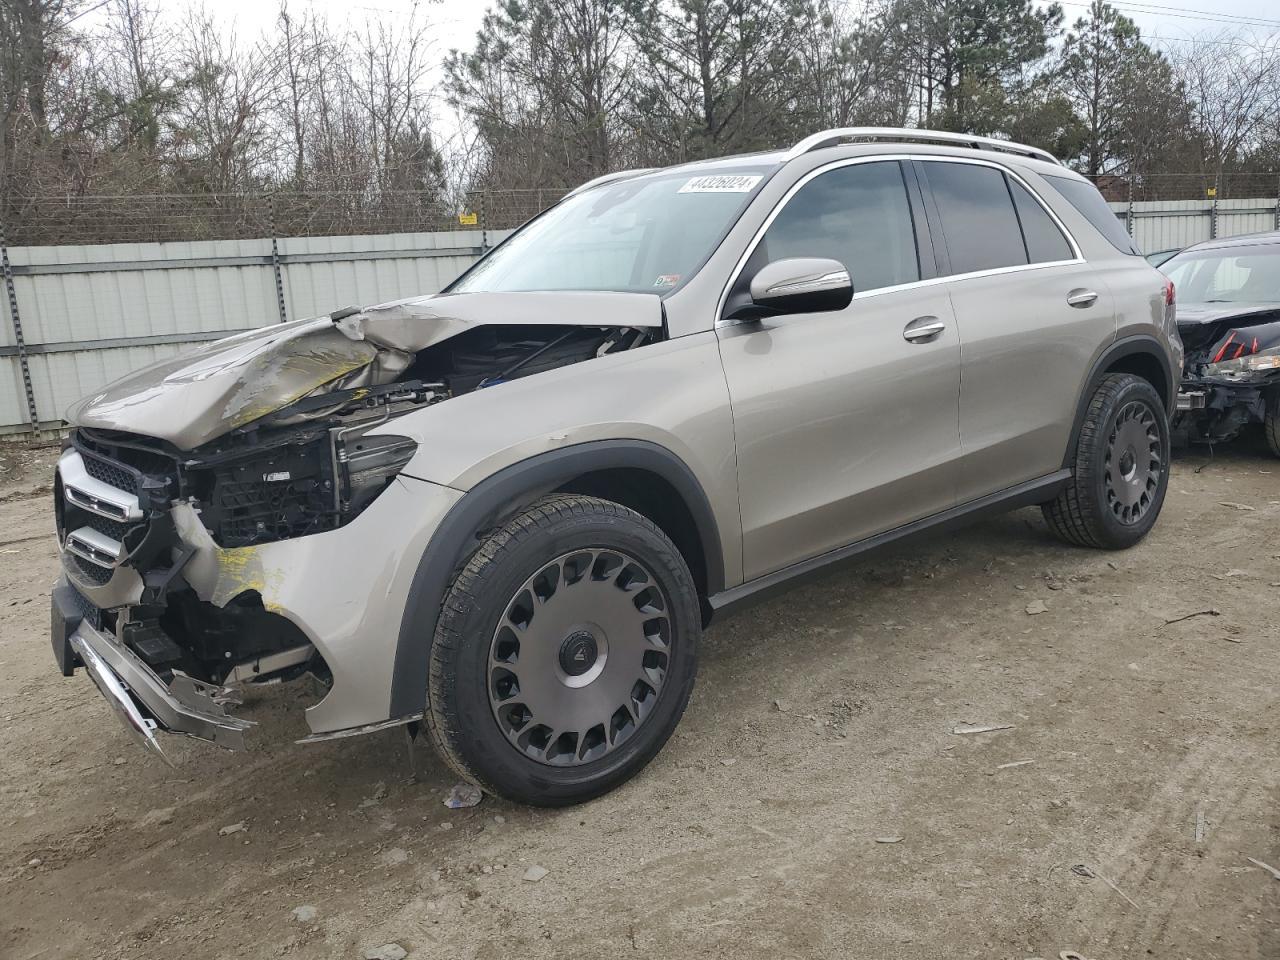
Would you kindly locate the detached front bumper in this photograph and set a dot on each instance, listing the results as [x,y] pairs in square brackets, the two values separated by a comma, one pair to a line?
[1192,400]
[143,702]
[1214,409]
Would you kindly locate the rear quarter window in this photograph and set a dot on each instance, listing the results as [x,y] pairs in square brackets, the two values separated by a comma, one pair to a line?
[1045,242]
[1084,196]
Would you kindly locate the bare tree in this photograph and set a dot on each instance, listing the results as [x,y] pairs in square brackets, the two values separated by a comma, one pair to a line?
[547,88]
[856,67]
[390,79]
[1232,91]
[301,44]
[33,38]
[222,133]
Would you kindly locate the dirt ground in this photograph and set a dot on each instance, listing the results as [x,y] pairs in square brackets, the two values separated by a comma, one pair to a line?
[821,725]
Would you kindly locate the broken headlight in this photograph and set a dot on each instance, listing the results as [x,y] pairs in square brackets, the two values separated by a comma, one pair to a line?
[1253,367]
[366,465]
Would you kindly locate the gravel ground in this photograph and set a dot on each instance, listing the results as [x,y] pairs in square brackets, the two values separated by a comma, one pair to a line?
[822,726]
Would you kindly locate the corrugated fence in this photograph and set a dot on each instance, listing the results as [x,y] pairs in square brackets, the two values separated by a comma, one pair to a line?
[90,314]
[1173,224]
[85,315]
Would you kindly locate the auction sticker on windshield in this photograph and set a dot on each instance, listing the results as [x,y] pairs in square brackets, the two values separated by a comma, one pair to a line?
[724,183]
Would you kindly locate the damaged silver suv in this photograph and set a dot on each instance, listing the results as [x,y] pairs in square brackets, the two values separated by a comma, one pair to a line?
[506,512]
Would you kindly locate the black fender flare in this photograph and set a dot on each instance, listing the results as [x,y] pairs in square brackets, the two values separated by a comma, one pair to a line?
[496,497]
[1139,344]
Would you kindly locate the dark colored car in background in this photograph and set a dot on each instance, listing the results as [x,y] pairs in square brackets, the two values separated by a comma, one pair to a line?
[1229,319]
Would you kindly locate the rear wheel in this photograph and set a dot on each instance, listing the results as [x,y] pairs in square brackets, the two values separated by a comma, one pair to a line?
[565,652]
[1120,468]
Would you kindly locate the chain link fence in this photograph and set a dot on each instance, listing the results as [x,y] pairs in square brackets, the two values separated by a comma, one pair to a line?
[1142,188]
[55,221]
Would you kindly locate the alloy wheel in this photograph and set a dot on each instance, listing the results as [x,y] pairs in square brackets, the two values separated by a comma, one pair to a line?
[1133,467]
[579,657]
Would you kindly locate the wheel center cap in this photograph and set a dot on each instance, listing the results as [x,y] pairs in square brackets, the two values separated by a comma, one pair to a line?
[1128,464]
[578,653]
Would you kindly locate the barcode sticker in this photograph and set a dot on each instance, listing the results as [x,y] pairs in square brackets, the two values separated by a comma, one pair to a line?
[723,183]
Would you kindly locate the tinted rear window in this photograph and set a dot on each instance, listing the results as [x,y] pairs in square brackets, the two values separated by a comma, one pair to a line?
[977,214]
[1084,196]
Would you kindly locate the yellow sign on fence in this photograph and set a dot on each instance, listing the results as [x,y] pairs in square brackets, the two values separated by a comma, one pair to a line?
[468,219]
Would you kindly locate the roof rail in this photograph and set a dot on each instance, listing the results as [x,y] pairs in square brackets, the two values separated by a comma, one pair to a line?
[611,178]
[829,137]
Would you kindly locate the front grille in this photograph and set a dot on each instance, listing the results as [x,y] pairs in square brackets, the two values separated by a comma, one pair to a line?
[85,607]
[112,463]
[109,473]
[108,527]
[91,571]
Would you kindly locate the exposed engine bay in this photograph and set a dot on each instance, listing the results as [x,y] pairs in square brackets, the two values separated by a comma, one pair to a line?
[1232,373]
[269,470]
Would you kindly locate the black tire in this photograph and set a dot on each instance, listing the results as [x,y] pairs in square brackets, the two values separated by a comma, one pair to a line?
[1271,422]
[1092,510]
[464,707]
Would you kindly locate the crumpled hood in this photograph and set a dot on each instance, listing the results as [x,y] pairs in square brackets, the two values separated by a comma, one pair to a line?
[204,393]
[417,323]
[1198,314]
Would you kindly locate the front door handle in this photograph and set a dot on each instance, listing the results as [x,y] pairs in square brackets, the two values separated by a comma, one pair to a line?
[923,330]
[1081,298]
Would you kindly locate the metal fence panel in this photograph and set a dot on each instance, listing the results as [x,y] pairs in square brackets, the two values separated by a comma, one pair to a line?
[342,279]
[1236,217]
[93,313]
[1173,224]
[1166,224]
[59,379]
[102,291]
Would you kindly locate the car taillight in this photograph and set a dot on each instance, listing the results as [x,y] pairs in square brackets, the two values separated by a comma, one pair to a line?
[1170,295]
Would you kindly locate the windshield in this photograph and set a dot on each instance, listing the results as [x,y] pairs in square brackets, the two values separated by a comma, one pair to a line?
[645,235]
[1227,275]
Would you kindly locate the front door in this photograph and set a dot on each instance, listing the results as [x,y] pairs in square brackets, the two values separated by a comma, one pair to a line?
[846,422]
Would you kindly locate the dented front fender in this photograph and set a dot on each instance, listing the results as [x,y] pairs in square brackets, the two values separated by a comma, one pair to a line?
[344,589]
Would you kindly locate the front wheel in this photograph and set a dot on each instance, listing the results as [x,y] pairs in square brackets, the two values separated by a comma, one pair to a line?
[1120,468]
[565,652]
[1271,422]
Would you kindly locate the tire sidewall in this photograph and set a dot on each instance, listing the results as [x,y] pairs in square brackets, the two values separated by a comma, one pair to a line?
[482,745]
[1113,529]
[1271,420]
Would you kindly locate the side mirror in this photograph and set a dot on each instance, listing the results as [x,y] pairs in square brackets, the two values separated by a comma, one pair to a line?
[802,285]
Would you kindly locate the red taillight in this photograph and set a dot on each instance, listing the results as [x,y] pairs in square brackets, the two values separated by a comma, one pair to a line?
[1170,295]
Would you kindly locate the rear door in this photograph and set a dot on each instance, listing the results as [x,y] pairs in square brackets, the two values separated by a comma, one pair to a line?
[844,427]
[1031,314]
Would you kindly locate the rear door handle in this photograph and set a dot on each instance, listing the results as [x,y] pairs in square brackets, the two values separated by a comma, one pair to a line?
[923,330]
[1081,298]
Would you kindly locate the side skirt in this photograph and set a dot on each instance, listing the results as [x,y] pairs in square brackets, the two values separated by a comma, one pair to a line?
[1023,495]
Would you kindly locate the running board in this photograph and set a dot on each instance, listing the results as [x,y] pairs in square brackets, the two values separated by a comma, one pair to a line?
[1023,495]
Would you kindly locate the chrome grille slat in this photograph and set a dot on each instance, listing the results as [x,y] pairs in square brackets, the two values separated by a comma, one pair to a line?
[89,544]
[99,516]
[91,494]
